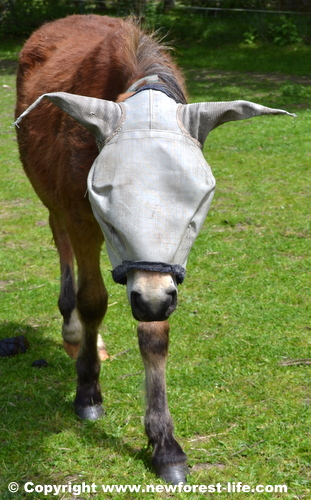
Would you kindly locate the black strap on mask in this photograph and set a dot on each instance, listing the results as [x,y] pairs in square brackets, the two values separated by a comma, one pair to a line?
[161,88]
[120,272]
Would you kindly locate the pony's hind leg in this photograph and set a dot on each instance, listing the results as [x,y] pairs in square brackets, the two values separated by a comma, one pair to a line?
[72,328]
[168,458]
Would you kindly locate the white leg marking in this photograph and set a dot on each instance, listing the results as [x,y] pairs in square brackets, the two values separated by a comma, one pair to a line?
[101,348]
[72,332]
[72,335]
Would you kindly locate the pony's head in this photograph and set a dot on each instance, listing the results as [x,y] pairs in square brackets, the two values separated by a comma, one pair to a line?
[150,187]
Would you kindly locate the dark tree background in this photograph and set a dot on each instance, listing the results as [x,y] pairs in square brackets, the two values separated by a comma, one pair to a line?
[23,16]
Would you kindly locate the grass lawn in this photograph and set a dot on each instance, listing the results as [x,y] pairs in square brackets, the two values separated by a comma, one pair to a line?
[240,412]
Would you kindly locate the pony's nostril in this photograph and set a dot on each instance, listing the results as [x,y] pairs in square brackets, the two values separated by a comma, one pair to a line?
[172,302]
[146,310]
[138,305]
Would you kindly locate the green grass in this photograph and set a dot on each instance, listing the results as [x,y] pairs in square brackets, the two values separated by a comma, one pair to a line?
[244,307]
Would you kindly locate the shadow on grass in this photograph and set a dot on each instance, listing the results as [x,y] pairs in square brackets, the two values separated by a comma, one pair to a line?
[8,66]
[273,89]
[36,404]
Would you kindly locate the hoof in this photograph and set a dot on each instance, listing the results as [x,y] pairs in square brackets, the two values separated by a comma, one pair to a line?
[173,473]
[90,412]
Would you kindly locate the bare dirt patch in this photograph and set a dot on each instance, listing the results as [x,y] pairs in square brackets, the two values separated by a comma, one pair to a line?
[216,76]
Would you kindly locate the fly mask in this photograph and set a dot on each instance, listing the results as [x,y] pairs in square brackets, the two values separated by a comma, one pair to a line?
[150,187]
[154,191]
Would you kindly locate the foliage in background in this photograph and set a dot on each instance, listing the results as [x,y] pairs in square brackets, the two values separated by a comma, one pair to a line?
[21,17]
[244,27]
[269,5]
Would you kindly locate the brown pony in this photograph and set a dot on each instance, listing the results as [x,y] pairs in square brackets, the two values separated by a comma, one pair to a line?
[98,57]
[149,189]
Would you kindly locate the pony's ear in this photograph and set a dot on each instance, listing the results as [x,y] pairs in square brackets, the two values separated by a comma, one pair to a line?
[98,116]
[200,118]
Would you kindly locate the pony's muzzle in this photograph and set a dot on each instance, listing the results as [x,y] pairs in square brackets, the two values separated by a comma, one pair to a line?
[144,311]
[152,295]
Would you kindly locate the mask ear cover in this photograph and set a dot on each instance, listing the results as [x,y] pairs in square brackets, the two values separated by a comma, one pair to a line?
[200,118]
[98,116]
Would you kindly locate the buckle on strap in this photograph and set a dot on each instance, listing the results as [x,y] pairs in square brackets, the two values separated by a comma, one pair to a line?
[120,272]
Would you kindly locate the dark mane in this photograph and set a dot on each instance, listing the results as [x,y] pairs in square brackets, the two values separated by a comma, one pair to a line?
[146,56]
[153,59]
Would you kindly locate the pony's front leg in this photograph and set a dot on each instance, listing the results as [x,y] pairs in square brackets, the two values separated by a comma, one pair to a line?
[168,457]
[91,305]
[92,299]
